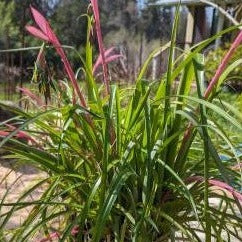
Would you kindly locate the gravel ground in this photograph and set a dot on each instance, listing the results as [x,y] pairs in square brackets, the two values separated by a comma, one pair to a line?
[14,181]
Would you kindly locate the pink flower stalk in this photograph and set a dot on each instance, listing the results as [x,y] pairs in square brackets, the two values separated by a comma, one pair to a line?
[222,185]
[31,95]
[95,8]
[46,33]
[108,56]
[19,135]
[75,230]
[52,236]
[214,82]
[226,187]
[223,65]
[56,235]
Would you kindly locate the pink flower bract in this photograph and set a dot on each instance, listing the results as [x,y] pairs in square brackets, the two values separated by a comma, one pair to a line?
[47,34]
[95,8]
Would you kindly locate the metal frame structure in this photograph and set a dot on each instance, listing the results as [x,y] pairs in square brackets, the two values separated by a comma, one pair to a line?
[193,6]
[192,2]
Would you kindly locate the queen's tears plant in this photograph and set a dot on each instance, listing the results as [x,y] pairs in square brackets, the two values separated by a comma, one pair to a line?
[121,165]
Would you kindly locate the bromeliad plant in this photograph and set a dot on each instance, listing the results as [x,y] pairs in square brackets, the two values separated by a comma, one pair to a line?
[128,167]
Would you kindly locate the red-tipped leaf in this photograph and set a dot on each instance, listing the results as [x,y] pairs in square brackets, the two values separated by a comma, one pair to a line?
[99,59]
[108,59]
[221,185]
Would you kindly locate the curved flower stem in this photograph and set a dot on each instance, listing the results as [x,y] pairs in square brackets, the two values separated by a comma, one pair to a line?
[212,85]
[94,4]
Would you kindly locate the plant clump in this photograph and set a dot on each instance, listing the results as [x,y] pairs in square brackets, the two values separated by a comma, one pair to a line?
[139,165]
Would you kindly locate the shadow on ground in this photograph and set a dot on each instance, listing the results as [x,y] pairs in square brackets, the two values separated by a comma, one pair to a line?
[16,166]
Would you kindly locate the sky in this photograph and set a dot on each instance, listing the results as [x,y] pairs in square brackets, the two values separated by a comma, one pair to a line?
[141,3]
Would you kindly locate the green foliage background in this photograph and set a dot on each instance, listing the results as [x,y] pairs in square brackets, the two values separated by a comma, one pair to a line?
[214,58]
